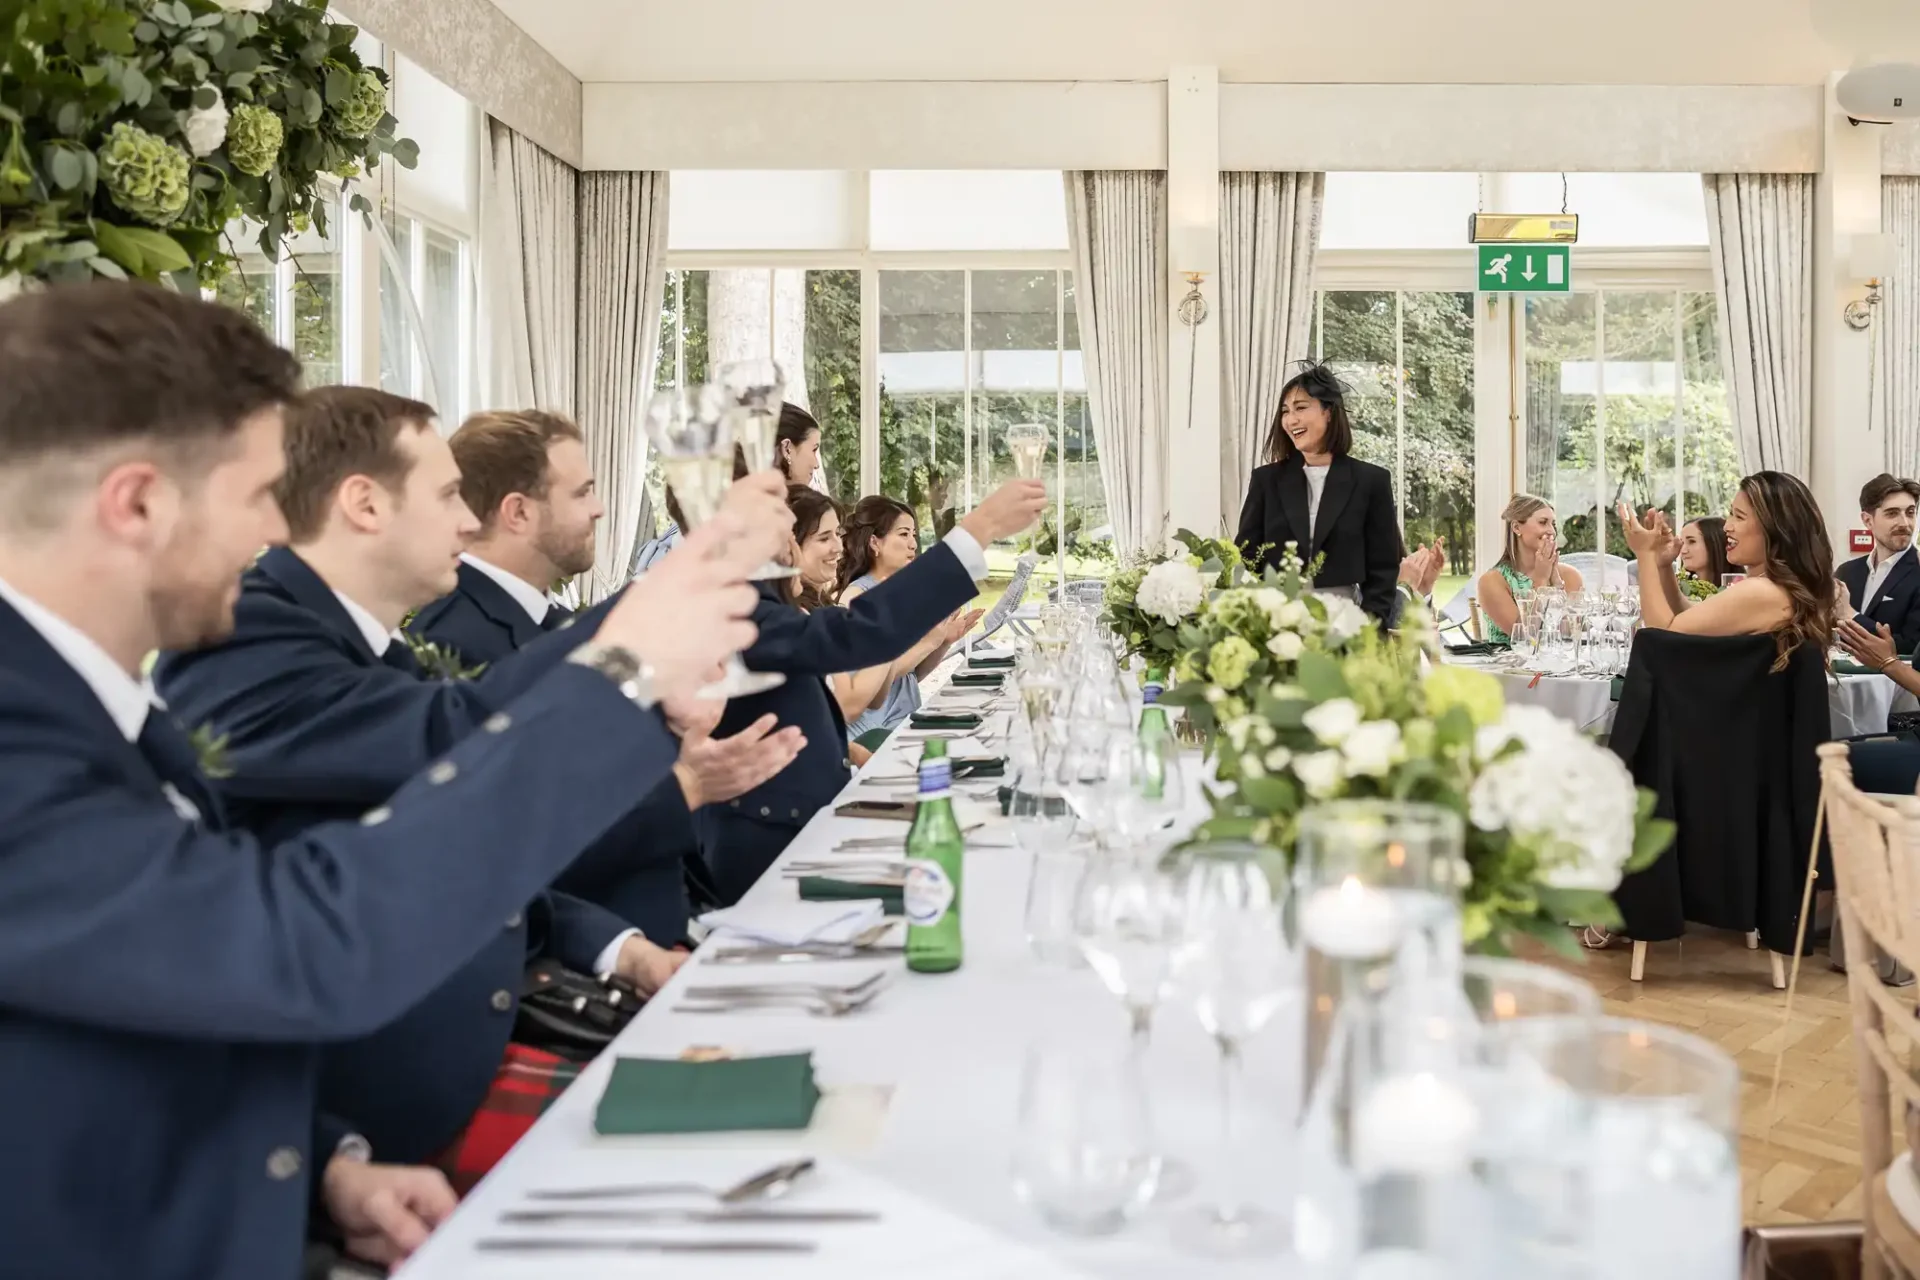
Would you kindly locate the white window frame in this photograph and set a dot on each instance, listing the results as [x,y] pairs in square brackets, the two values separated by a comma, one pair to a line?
[457,393]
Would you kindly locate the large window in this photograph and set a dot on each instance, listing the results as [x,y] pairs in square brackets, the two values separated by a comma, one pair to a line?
[1626,403]
[303,299]
[432,361]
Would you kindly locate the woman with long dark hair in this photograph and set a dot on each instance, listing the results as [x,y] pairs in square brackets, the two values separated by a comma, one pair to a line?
[1703,550]
[1314,494]
[1774,534]
[816,548]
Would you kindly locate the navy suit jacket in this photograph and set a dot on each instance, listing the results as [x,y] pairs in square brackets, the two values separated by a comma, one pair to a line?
[163,985]
[318,729]
[1898,601]
[744,836]
[638,869]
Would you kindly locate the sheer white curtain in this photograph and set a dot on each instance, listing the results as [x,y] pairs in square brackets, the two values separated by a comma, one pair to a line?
[529,212]
[623,245]
[1269,233]
[1118,229]
[1761,230]
[1897,389]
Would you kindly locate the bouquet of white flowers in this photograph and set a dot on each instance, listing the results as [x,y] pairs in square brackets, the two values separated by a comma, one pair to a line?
[1149,600]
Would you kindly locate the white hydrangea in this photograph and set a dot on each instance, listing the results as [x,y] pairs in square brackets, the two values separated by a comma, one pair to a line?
[1320,772]
[1345,619]
[1372,749]
[1293,616]
[1565,794]
[1172,590]
[205,128]
[1333,720]
[1286,646]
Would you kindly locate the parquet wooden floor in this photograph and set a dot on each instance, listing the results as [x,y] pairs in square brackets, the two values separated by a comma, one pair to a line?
[1799,1158]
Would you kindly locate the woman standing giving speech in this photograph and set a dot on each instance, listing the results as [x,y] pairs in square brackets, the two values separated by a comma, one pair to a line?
[1314,494]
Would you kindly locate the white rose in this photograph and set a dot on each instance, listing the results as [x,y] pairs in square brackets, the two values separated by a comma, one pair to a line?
[1286,646]
[1345,619]
[206,128]
[245,6]
[1237,731]
[1333,720]
[1319,772]
[1372,749]
[1294,614]
[1171,591]
[1278,759]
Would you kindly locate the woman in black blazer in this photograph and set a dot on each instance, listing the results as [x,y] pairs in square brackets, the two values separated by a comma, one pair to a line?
[1314,494]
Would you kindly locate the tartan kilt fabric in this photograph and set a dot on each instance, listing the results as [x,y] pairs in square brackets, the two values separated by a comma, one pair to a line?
[528,1082]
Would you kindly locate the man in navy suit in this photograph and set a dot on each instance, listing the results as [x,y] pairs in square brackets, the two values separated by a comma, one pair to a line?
[164,983]
[526,477]
[1884,585]
[325,711]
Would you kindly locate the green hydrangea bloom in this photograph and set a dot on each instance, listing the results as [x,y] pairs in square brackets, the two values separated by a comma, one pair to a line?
[1476,692]
[360,113]
[144,175]
[254,137]
[1230,661]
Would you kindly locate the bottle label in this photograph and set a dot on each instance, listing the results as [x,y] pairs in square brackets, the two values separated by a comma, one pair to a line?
[936,778]
[1151,694]
[928,893]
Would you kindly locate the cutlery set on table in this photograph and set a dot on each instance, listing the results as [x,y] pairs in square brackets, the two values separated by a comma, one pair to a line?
[747,1203]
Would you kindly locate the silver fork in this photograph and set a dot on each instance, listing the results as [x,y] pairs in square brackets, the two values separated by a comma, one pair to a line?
[725,990]
[819,1006]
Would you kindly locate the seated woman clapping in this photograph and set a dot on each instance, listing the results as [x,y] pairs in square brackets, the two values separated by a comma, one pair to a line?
[1777,537]
[1530,561]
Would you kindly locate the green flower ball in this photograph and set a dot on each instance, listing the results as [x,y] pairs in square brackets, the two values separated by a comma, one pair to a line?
[360,113]
[1230,661]
[144,175]
[254,136]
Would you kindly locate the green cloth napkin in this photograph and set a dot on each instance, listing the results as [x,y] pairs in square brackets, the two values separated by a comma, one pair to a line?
[1847,667]
[827,889]
[668,1095]
[1476,649]
[1055,805]
[945,720]
[990,664]
[977,679]
[979,767]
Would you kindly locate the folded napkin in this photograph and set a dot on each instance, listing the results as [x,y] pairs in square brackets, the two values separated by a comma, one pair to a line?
[1055,806]
[673,1095]
[944,720]
[1476,649]
[977,680]
[890,896]
[978,767]
[786,924]
[991,664]
[1848,667]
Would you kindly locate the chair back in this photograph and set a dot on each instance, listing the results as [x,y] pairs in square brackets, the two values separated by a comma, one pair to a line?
[1598,571]
[1876,864]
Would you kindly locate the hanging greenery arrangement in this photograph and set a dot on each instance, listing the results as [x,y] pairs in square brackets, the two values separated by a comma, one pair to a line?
[135,133]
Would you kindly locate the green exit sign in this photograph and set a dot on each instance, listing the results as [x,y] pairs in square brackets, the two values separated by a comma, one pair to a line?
[1524,268]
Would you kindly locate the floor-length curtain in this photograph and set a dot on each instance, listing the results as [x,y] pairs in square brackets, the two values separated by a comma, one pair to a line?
[1761,230]
[529,210]
[1118,228]
[623,246]
[1269,233]
[1897,389]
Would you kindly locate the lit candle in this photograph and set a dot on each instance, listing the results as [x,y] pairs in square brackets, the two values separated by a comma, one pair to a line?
[1352,922]
[1414,1124]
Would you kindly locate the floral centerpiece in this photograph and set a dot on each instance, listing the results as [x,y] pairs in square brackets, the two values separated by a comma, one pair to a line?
[1552,818]
[1694,587]
[133,133]
[1148,601]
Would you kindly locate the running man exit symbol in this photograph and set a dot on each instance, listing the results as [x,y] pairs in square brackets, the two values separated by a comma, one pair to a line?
[1527,268]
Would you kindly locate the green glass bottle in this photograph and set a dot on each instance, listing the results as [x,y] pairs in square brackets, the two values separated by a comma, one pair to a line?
[1153,734]
[935,852]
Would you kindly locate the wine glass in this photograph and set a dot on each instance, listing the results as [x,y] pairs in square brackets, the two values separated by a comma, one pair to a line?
[1027,442]
[1145,791]
[755,391]
[1083,1155]
[690,429]
[1236,967]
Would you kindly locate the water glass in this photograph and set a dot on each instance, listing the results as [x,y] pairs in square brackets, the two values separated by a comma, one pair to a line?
[1083,1156]
[1043,824]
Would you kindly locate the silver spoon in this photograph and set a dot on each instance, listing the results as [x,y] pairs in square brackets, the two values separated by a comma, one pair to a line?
[768,1184]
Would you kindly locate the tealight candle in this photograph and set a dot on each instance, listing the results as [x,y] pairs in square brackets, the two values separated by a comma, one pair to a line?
[1414,1124]
[1352,922]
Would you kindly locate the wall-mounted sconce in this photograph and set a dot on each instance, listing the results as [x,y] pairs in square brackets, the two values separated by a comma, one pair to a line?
[1869,258]
[1193,244]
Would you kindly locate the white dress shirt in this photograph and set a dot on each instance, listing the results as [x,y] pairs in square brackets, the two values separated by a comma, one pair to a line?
[126,699]
[967,547]
[1877,574]
[378,640]
[524,593]
[1316,485]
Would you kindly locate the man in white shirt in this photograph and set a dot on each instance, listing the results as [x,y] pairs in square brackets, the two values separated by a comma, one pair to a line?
[1883,586]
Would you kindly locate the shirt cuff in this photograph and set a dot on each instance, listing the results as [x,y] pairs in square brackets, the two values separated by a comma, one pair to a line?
[965,546]
[610,954]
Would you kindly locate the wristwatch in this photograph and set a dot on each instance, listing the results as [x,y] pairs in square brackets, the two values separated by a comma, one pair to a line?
[630,675]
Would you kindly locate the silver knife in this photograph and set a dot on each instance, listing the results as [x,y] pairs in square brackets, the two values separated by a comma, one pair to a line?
[695,1217]
[603,1245]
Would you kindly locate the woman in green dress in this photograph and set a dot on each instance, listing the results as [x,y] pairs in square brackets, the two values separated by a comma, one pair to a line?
[1529,562]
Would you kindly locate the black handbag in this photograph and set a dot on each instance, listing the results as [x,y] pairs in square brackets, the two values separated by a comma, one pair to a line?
[571,1014]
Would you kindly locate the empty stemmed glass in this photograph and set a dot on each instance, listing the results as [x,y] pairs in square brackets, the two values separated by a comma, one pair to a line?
[754,392]
[691,430]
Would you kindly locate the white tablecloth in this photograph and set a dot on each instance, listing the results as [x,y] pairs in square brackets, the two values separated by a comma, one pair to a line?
[1859,704]
[949,1048]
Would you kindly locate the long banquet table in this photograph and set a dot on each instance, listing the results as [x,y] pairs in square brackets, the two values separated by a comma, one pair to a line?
[920,1110]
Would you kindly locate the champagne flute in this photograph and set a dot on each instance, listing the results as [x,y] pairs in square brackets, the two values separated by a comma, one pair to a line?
[1027,442]
[754,392]
[691,430]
